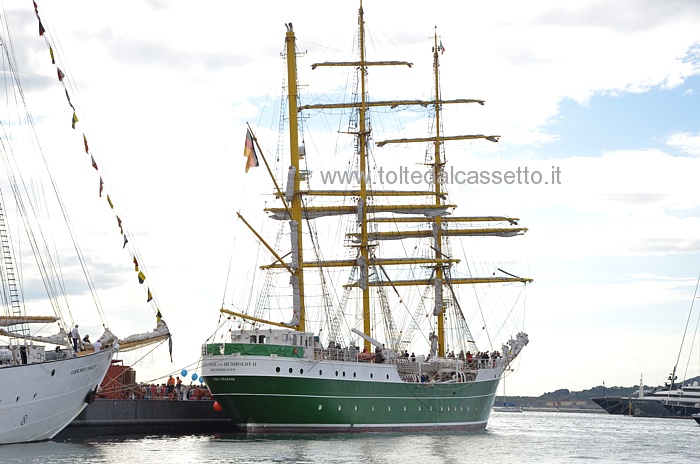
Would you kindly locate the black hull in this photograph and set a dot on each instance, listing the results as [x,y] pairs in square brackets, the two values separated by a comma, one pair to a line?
[682,411]
[106,417]
[643,407]
[613,404]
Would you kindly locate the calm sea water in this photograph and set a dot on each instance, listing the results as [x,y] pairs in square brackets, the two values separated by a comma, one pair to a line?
[540,437]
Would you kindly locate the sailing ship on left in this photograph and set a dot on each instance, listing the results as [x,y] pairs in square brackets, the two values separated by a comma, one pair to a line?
[46,377]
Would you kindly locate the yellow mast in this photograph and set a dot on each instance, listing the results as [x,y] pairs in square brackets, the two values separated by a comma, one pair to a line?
[364,246]
[437,169]
[290,42]
[363,135]
[441,260]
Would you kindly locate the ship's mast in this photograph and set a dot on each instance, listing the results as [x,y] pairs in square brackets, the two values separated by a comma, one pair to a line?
[437,169]
[364,246]
[441,260]
[363,136]
[296,219]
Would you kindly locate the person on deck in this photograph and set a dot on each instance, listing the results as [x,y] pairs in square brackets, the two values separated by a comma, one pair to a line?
[178,387]
[170,385]
[378,356]
[75,335]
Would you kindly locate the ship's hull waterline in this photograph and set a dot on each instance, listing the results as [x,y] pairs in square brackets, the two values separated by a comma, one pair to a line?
[281,395]
[39,400]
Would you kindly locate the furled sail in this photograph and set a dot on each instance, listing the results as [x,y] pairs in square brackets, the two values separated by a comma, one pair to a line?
[135,341]
[7,321]
[313,212]
[398,235]
[61,338]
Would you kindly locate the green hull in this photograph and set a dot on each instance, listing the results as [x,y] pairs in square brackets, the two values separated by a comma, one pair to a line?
[287,401]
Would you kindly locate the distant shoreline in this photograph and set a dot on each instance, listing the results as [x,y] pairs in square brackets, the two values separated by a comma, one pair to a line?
[575,410]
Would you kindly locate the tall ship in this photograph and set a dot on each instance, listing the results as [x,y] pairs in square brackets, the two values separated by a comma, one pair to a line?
[49,369]
[359,279]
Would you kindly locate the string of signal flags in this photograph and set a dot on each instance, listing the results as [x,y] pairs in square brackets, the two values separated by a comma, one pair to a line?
[141,276]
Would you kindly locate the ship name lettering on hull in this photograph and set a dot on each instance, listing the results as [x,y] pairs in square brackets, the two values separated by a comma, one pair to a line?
[83,369]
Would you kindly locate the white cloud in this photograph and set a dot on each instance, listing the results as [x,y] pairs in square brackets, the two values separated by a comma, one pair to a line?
[685,142]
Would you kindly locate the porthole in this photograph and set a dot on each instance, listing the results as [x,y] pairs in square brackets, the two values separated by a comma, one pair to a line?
[440,408]
[354,374]
[339,407]
[343,373]
[320,406]
[371,376]
[16,400]
[336,373]
[355,407]
[404,409]
[372,408]
[291,370]
[301,371]
[388,408]
[277,370]
[34,395]
[320,372]
[460,408]
[53,372]
[419,408]
[431,408]
[387,376]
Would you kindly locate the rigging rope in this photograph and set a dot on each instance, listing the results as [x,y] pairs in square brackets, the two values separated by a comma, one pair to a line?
[128,238]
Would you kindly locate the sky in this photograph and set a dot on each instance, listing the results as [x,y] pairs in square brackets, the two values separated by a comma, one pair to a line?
[606,93]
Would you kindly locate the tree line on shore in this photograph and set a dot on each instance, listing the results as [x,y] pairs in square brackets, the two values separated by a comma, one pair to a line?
[581,398]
